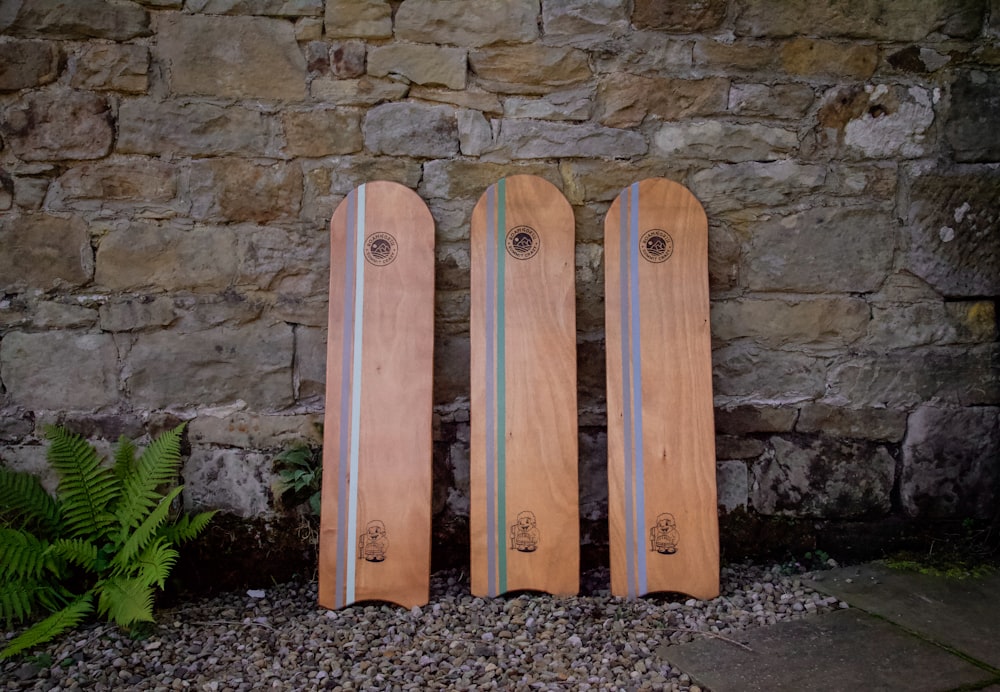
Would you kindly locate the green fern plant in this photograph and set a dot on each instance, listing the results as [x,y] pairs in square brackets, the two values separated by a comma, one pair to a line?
[106,539]
[300,477]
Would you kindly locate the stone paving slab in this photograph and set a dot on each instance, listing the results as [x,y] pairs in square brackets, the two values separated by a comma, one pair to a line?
[963,614]
[844,650]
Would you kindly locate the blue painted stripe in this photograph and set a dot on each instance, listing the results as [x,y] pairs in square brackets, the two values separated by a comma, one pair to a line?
[501,387]
[345,395]
[626,354]
[490,316]
[640,491]
[359,291]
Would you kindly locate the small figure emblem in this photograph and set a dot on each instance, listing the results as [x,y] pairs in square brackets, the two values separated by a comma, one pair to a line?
[374,542]
[522,242]
[524,533]
[663,536]
[380,249]
[656,245]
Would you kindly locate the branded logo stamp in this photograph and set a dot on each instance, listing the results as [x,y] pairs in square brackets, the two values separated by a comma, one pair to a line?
[522,242]
[380,249]
[656,245]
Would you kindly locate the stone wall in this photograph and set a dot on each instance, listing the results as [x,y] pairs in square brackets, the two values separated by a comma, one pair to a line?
[169,167]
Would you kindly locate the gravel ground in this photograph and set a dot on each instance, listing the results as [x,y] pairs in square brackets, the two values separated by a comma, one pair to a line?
[279,638]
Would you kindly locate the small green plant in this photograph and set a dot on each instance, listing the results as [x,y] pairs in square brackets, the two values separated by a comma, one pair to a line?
[300,477]
[106,539]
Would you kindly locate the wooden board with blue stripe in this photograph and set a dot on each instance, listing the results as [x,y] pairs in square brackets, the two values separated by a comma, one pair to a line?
[524,514]
[663,518]
[375,524]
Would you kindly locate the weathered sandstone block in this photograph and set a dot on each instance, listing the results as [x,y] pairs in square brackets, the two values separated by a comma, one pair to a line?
[975,109]
[274,8]
[25,64]
[625,100]
[80,19]
[950,462]
[322,132]
[583,21]
[953,228]
[952,375]
[59,125]
[255,431]
[566,104]
[231,189]
[812,57]
[822,250]
[540,139]
[732,482]
[112,67]
[147,255]
[232,480]
[251,57]
[679,16]
[879,424]
[358,19]
[59,370]
[821,322]
[823,478]
[721,141]
[150,126]
[884,20]
[411,129]
[365,91]
[135,313]
[43,251]
[134,180]
[422,64]
[745,371]
[222,365]
[459,23]
[531,69]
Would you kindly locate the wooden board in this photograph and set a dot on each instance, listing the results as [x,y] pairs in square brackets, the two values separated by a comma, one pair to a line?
[375,525]
[662,512]
[524,516]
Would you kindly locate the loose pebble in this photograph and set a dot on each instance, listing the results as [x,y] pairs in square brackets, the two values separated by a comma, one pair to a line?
[281,640]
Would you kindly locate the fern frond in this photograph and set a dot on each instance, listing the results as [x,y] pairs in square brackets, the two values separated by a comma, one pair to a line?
[78,551]
[124,457]
[157,465]
[144,533]
[125,601]
[154,564]
[22,556]
[16,601]
[86,488]
[187,527]
[52,626]
[23,499]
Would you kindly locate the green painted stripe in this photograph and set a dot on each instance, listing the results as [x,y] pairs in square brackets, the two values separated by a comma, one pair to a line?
[501,386]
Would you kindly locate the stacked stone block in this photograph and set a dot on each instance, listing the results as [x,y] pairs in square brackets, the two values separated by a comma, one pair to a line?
[169,167]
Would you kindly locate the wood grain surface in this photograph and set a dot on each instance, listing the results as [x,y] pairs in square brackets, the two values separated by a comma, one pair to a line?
[661,441]
[376,509]
[524,516]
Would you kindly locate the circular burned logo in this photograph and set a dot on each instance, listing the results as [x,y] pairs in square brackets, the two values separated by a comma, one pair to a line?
[380,249]
[656,245]
[522,242]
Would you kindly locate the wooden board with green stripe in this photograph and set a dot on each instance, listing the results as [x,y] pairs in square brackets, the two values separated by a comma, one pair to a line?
[663,518]
[524,516]
[375,523]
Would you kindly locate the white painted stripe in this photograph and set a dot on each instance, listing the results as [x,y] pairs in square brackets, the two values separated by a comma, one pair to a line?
[359,289]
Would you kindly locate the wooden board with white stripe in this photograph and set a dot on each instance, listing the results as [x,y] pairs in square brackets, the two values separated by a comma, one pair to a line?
[375,524]
[524,514]
[662,513]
